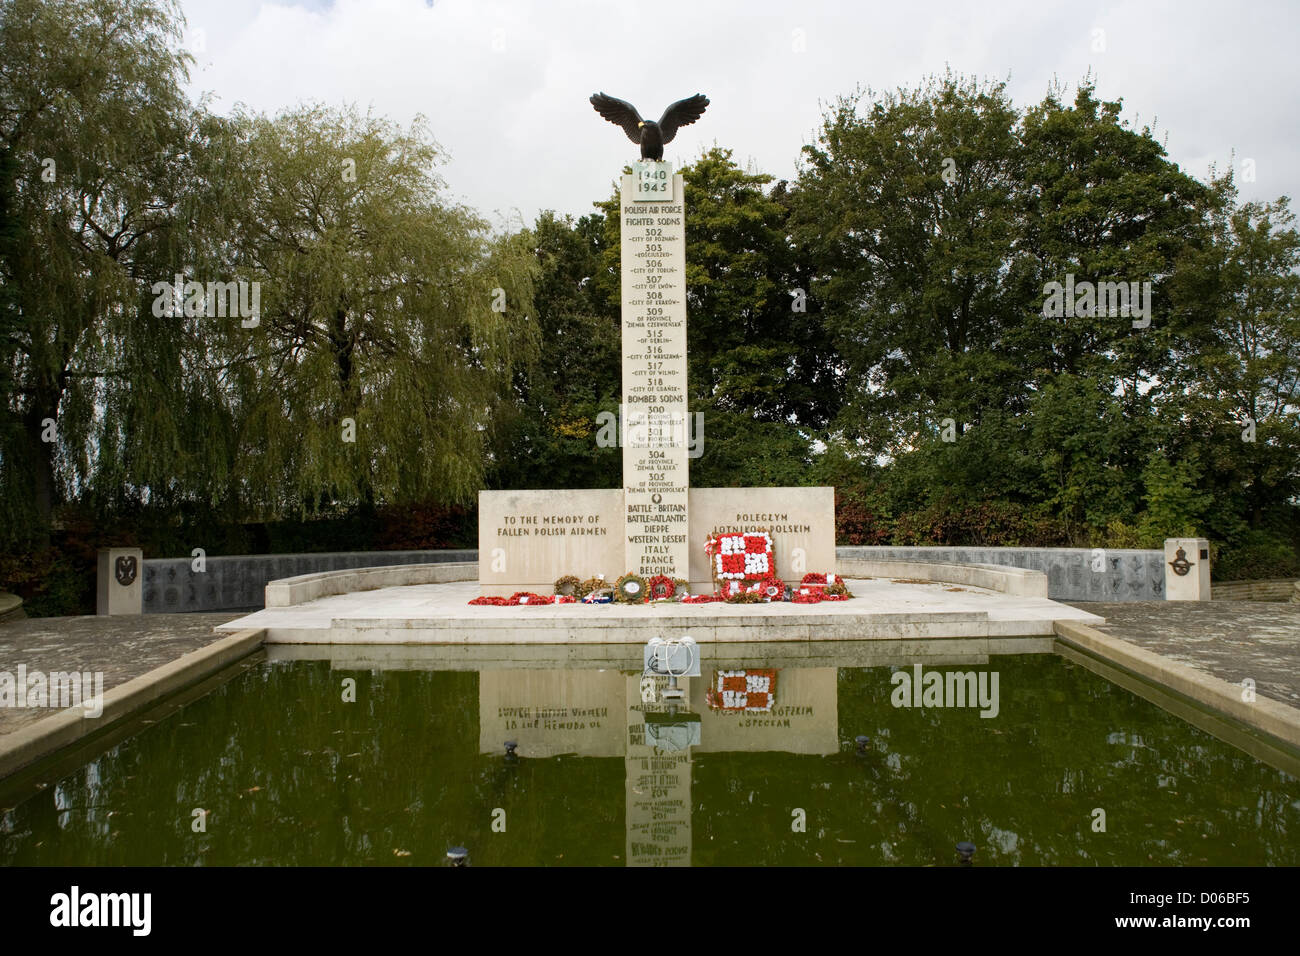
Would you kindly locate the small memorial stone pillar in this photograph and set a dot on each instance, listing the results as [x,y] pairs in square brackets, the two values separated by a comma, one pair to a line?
[1187,569]
[118,586]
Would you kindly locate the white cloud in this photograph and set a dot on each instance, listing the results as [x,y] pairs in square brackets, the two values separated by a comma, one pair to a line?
[505,84]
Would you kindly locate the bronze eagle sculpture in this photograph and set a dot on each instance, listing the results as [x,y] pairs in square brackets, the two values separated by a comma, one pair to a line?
[651,135]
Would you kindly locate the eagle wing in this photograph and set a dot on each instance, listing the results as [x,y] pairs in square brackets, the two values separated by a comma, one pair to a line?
[620,113]
[682,113]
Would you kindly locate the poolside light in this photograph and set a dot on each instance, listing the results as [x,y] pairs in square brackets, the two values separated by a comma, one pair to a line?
[966,850]
[458,856]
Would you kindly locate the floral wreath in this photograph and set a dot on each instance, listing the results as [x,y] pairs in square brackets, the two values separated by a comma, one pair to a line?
[523,598]
[740,556]
[630,589]
[569,585]
[590,586]
[661,587]
[768,588]
[830,587]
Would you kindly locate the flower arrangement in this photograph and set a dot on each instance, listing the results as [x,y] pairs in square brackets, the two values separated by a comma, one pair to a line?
[569,584]
[740,557]
[831,587]
[661,587]
[524,598]
[590,585]
[817,578]
[815,595]
[749,552]
[630,589]
[770,588]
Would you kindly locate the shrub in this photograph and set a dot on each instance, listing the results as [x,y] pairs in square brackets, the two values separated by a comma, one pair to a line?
[983,524]
[857,523]
[1256,556]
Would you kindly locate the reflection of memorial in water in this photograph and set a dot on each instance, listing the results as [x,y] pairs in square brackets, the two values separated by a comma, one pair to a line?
[552,712]
[601,713]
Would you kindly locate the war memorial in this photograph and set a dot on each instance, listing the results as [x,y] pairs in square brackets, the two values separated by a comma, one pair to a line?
[657,556]
[657,674]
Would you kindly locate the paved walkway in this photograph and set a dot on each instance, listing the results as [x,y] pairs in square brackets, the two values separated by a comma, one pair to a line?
[1231,640]
[119,647]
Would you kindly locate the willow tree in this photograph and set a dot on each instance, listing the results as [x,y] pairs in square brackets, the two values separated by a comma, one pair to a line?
[390,320]
[94,132]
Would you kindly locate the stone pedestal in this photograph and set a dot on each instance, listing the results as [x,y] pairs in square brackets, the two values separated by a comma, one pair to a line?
[655,416]
[118,581]
[1187,569]
[656,523]
[528,539]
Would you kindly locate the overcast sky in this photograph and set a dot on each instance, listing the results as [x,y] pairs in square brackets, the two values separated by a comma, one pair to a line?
[504,85]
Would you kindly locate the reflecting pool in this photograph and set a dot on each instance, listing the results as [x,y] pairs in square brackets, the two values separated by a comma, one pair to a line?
[360,760]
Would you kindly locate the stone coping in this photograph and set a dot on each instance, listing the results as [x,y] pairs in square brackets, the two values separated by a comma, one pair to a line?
[993,577]
[1270,589]
[933,652]
[276,556]
[288,592]
[1275,719]
[309,587]
[46,736]
[11,606]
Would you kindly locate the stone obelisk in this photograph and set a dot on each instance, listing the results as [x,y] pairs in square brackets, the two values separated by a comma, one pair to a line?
[654,420]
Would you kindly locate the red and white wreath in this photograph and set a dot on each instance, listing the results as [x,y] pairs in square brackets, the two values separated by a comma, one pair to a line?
[741,557]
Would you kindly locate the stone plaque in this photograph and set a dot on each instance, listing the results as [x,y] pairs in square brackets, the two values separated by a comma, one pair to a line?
[118,585]
[653,181]
[655,452]
[527,539]
[801,520]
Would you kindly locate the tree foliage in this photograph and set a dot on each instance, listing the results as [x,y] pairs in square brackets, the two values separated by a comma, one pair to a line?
[883,323]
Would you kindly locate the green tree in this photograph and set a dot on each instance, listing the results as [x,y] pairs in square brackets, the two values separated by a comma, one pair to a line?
[761,369]
[1239,369]
[391,321]
[938,217]
[95,139]
[908,209]
[549,440]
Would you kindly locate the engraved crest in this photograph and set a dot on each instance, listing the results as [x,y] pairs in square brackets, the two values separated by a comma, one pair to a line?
[125,570]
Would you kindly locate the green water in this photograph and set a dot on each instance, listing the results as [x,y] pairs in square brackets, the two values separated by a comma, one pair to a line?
[289,773]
